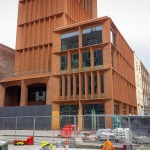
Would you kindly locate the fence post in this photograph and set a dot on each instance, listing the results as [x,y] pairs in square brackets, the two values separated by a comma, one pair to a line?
[15,128]
[129,124]
[33,128]
[75,123]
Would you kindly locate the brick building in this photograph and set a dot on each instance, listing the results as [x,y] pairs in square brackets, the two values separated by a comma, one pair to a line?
[6,60]
[146,89]
[139,86]
[68,58]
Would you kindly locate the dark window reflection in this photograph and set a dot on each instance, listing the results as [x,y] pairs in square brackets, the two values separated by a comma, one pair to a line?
[92,36]
[86,59]
[89,84]
[74,61]
[69,40]
[102,83]
[60,87]
[98,57]
[64,62]
[77,85]
[95,84]
[37,92]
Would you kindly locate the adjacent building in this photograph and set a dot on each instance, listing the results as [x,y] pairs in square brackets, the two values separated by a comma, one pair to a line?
[146,89]
[6,60]
[139,86]
[68,58]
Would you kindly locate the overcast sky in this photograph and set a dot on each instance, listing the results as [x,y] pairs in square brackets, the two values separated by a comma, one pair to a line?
[132,18]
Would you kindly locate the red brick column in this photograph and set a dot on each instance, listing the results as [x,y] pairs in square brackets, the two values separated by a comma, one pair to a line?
[92,85]
[74,86]
[48,92]
[86,86]
[109,109]
[24,94]
[80,86]
[2,96]
[69,88]
[63,87]
[98,85]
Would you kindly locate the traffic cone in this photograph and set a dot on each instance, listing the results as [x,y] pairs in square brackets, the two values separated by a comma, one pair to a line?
[66,144]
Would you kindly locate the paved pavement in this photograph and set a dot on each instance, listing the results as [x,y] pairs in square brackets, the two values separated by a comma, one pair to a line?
[49,136]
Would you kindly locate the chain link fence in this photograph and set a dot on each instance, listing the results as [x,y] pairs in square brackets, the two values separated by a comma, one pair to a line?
[57,129]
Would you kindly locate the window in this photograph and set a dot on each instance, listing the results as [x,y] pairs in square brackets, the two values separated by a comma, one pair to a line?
[71,85]
[98,57]
[92,36]
[113,38]
[60,87]
[69,40]
[89,84]
[64,62]
[86,59]
[66,86]
[95,84]
[124,110]
[83,85]
[102,83]
[74,61]
[77,85]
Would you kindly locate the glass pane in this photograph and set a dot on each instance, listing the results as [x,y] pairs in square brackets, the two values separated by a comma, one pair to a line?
[86,59]
[92,36]
[95,84]
[69,40]
[64,63]
[98,57]
[77,85]
[89,84]
[74,61]
[102,83]
[60,87]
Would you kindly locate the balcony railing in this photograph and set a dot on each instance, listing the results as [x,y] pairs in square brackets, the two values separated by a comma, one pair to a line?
[24,73]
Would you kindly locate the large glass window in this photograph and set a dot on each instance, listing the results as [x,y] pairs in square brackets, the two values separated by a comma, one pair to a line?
[98,57]
[89,108]
[69,40]
[37,92]
[83,85]
[74,61]
[102,83]
[89,84]
[86,59]
[64,62]
[113,37]
[92,36]
[71,85]
[77,85]
[95,84]
[66,86]
[60,87]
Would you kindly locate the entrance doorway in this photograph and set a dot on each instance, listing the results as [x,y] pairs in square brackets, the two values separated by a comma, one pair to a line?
[91,120]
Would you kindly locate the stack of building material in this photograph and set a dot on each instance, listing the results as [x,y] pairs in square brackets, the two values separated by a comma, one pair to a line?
[123,133]
[104,134]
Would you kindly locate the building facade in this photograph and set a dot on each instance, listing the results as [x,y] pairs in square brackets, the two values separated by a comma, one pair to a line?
[139,86]
[6,60]
[68,58]
[146,89]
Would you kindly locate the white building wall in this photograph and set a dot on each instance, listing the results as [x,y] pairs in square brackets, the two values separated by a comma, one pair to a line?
[139,90]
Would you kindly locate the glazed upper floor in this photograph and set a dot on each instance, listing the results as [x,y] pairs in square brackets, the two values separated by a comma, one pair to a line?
[91,33]
[97,34]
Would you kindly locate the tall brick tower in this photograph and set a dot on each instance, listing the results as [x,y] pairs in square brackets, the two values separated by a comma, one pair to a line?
[37,20]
